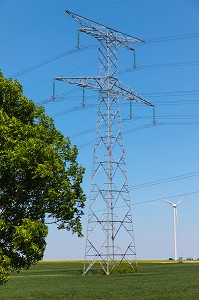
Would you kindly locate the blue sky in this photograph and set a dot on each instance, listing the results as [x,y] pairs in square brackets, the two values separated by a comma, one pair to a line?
[162,160]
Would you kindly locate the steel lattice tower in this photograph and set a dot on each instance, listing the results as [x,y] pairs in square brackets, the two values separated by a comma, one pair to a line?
[110,236]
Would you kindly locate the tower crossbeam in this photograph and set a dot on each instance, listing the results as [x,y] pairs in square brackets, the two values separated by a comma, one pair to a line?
[99,84]
[104,33]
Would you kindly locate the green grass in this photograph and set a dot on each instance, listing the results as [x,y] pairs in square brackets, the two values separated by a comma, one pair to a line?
[63,280]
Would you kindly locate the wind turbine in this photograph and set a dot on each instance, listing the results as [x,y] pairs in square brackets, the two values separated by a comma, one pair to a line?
[175,219]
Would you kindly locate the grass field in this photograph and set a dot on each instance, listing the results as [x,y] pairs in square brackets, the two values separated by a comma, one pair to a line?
[63,280]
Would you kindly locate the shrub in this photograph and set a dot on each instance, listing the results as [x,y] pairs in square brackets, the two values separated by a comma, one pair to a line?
[121,269]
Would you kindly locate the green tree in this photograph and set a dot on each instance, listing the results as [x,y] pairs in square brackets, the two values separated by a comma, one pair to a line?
[40,179]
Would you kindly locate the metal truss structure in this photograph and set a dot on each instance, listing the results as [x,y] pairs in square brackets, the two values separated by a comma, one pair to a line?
[110,235]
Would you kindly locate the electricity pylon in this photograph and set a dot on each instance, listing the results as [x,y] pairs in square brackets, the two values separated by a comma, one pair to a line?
[110,236]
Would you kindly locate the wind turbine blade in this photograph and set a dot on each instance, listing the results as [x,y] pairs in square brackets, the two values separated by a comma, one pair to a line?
[167,201]
[182,199]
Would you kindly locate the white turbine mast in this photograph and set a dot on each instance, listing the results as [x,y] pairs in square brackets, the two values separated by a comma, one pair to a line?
[175,219]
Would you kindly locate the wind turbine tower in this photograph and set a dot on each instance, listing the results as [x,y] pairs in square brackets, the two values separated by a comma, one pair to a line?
[175,219]
[110,235]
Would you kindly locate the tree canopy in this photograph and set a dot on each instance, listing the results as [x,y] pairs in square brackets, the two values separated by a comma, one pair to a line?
[40,178]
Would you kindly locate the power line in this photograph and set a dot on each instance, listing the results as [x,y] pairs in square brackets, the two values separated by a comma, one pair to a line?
[72,109]
[102,5]
[182,123]
[80,68]
[74,50]
[167,197]
[88,106]
[124,133]
[82,48]
[179,102]
[155,66]
[55,17]
[165,180]
[172,38]
[132,130]
[170,117]
[156,103]
[147,40]
[31,28]
[47,61]
[154,200]
[179,93]
[169,93]
[58,98]
[91,130]
[174,64]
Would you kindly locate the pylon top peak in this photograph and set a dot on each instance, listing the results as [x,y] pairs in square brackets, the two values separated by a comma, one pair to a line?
[102,32]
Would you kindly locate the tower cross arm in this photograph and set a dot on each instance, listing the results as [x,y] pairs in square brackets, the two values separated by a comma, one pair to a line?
[95,83]
[127,93]
[102,32]
[105,84]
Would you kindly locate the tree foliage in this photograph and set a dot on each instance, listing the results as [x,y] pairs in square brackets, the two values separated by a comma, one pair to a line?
[40,178]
